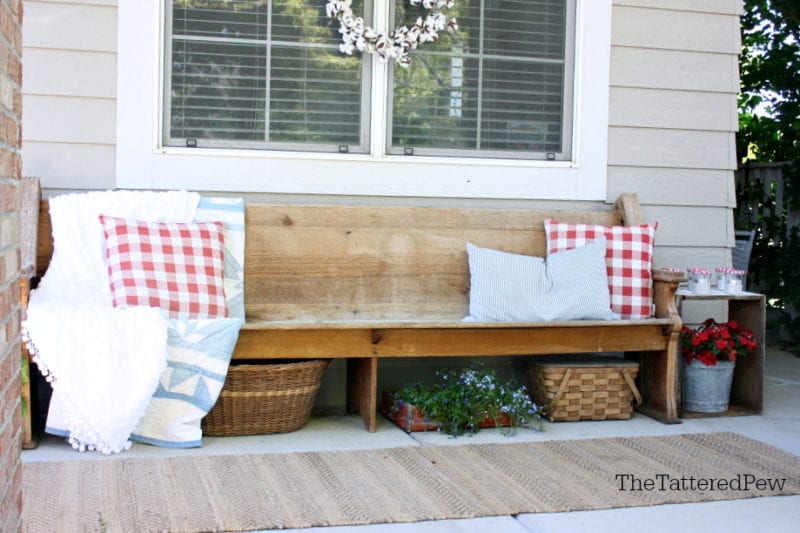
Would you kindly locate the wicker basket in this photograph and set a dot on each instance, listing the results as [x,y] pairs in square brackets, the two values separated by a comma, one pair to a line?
[584,388]
[265,398]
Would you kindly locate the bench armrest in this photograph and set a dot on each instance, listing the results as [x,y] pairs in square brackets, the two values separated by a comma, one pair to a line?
[665,285]
[31,196]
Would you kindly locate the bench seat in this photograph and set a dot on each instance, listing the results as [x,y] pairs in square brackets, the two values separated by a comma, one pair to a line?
[367,282]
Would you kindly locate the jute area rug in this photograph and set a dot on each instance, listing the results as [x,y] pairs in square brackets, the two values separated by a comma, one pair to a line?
[409,484]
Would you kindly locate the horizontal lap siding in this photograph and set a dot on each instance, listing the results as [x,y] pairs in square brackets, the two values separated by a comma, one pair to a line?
[672,124]
[725,7]
[69,92]
[672,117]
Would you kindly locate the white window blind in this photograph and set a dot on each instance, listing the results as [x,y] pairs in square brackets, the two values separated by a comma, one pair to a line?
[260,74]
[502,84]
[269,75]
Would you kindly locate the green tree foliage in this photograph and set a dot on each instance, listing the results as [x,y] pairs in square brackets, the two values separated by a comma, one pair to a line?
[769,105]
[769,131]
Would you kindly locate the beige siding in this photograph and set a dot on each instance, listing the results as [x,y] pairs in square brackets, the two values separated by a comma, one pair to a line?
[726,7]
[675,30]
[702,227]
[70,26]
[672,186]
[66,164]
[69,92]
[672,109]
[647,68]
[671,148]
[72,72]
[672,123]
[69,119]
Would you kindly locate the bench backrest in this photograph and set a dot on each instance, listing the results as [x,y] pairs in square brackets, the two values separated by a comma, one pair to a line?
[360,263]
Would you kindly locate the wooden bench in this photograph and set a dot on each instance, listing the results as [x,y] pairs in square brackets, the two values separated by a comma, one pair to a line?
[364,283]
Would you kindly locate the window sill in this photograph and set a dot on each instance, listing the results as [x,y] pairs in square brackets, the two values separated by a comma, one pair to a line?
[364,158]
[358,174]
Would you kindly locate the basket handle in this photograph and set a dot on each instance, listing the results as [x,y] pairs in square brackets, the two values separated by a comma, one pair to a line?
[632,385]
[561,388]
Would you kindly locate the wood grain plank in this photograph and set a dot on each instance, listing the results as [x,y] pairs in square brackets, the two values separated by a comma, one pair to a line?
[362,390]
[361,262]
[409,341]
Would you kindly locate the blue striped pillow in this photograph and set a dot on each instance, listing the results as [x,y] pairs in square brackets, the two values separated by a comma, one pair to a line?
[580,284]
[570,285]
[506,287]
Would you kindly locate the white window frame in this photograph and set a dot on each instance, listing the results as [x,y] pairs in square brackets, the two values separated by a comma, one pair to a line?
[143,163]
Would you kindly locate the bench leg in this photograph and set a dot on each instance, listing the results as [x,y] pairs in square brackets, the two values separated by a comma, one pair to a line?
[658,383]
[362,390]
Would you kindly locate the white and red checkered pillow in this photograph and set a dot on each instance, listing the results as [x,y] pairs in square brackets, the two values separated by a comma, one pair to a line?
[178,267]
[629,257]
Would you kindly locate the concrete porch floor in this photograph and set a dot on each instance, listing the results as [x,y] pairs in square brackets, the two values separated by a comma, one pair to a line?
[778,426]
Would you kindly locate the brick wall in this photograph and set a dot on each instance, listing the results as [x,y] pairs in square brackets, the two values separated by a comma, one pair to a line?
[10,171]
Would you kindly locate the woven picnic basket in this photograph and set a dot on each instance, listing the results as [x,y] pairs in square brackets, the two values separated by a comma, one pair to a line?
[572,388]
[265,398]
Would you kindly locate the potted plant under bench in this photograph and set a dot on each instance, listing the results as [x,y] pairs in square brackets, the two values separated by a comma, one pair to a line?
[462,403]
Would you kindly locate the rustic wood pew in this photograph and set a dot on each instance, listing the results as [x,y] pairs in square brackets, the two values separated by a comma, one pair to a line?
[364,283]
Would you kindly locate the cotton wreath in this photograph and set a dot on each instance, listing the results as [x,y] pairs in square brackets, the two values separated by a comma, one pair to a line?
[401,41]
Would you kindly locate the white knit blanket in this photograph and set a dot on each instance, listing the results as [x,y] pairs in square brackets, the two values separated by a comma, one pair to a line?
[104,363]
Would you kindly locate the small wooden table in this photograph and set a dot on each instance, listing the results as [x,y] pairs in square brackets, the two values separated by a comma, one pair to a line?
[747,391]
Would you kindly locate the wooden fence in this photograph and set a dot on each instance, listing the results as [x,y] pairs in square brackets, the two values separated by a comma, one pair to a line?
[762,205]
[760,195]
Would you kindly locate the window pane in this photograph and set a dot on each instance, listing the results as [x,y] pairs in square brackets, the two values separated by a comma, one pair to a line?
[306,21]
[218,91]
[241,75]
[433,103]
[240,19]
[497,85]
[521,106]
[311,97]
[524,28]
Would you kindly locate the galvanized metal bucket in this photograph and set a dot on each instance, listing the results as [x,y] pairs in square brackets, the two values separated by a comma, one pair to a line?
[707,389]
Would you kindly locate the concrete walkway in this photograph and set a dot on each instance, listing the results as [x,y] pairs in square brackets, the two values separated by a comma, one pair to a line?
[778,426]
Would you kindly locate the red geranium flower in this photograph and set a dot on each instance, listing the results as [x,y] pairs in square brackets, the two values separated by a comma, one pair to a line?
[712,342]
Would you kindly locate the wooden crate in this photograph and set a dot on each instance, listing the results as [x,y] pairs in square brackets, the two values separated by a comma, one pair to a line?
[589,387]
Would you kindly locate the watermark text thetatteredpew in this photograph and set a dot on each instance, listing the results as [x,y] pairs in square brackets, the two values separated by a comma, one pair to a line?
[667,482]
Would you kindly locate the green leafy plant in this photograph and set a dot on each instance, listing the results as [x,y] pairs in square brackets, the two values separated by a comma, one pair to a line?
[460,401]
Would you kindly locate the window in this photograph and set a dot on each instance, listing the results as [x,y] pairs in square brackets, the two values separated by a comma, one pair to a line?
[260,74]
[254,96]
[500,87]
[269,75]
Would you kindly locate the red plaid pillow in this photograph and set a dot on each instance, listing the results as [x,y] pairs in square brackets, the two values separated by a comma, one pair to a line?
[629,256]
[178,267]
